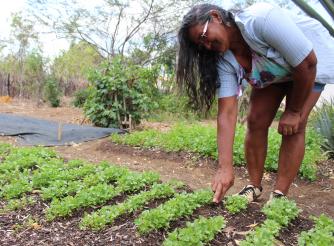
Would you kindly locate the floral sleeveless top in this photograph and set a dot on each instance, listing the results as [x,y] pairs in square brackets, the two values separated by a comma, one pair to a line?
[265,72]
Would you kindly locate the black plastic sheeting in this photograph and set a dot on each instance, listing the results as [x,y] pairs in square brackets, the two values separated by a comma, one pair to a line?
[32,131]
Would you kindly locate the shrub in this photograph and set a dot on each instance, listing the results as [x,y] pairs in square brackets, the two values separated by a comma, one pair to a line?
[52,92]
[118,90]
[80,97]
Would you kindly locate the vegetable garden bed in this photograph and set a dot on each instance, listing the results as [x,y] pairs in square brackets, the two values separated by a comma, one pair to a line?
[47,201]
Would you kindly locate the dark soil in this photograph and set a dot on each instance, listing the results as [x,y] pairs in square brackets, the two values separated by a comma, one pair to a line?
[29,227]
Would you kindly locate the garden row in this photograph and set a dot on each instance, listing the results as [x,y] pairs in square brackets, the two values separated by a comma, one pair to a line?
[74,185]
[201,139]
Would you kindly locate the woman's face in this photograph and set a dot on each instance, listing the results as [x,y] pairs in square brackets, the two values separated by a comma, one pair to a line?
[211,35]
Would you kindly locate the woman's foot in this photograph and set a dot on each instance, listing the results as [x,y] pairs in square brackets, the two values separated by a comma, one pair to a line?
[251,192]
[276,194]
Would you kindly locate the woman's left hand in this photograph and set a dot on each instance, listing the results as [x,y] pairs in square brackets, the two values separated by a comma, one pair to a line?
[289,123]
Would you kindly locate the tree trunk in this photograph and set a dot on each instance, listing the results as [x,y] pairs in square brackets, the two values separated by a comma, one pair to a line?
[8,85]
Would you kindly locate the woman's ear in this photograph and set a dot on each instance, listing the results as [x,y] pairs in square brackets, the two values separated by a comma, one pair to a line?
[215,15]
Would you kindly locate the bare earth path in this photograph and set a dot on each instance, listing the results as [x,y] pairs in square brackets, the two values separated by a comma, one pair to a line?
[314,198]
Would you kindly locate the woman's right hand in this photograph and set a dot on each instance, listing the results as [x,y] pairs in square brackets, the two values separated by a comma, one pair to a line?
[222,181]
[226,123]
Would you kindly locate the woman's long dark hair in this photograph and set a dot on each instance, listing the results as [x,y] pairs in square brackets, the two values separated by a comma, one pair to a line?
[196,67]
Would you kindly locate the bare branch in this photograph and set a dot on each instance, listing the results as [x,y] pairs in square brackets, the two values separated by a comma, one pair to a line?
[136,28]
[116,31]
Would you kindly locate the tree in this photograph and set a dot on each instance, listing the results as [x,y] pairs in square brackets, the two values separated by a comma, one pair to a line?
[22,34]
[110,26]
[34,73]
[30,70]
[71,67]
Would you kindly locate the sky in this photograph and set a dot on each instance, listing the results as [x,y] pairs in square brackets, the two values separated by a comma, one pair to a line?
[51,45]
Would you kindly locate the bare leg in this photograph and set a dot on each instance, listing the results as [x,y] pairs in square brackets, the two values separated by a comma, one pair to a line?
[263,107]
[293,148]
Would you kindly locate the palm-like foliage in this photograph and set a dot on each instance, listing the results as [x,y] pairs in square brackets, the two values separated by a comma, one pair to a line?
[328,5]
[324,124]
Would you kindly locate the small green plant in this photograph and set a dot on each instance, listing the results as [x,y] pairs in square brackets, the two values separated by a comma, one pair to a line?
[201,231]
[17,186]
[263,235]
[281,210]
[321,235]
[16,204]
[235,204]
[4,150]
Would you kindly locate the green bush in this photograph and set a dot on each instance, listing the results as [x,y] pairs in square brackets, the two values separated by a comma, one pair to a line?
[323,122]
[201,139]
[52,92]
[80,97]
[119,90]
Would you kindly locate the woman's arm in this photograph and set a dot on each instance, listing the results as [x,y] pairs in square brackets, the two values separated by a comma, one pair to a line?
[226,123]
[303,77]
[280,32]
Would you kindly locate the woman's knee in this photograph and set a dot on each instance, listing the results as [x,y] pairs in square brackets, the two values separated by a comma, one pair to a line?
[302,125]
[258,121]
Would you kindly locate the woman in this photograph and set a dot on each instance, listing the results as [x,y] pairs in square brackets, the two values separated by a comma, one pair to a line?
[280,55]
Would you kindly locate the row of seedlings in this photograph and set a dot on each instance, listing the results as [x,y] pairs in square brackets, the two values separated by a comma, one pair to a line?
[55,171]
[16,170]
[199,232]
[279,213]
[107,214]
[100,193]
[85,177]
[203,230]
[181,205]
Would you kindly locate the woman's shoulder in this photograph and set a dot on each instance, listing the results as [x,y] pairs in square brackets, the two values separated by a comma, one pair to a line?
[257,10]
[227,63]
